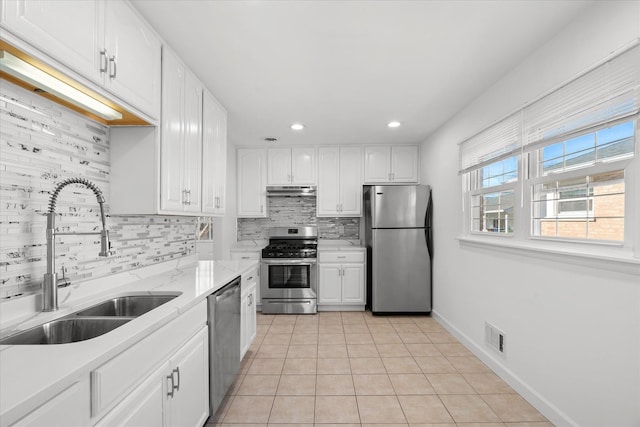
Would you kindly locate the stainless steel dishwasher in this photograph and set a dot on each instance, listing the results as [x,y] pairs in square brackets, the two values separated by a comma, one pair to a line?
[224,341]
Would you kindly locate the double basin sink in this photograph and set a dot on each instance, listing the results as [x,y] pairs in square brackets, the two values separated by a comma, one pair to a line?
[90,322]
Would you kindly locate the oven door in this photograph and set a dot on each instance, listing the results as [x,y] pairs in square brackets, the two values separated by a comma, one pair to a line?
[288,278]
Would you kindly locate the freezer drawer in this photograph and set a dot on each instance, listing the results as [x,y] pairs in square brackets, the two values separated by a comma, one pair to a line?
[401,281]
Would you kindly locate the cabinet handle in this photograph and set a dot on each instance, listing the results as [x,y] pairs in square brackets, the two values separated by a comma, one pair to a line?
[184,197]
[112,60]
[188,192]
[342,256]
[104,62]
[261,208]
[170,392]
[245,257]
[176,371]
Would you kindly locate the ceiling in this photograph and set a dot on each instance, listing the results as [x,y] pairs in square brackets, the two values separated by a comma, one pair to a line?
[346,68]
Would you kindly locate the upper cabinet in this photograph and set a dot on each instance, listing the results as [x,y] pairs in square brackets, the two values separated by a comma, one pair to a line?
[287,166]
[180,170]
[103,41]
[394,164]
[181,138]
[339,181]
[252,178]
[214,155]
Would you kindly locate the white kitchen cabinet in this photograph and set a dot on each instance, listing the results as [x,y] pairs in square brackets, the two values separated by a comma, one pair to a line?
[252,178]
[253,255]
[341,280]
[103,41]
[69,408]
[291,166]
[188,383]
[214,155]
[144,407]
[248,318]
[181,138]
[175,394]
[177,357]
[395,164]
[339,181]
[133,54]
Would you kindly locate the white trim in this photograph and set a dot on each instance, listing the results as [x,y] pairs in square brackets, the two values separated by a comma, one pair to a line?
[553,413]
[600,256]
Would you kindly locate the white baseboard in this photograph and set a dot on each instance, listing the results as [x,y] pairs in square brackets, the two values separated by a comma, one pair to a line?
[546,408]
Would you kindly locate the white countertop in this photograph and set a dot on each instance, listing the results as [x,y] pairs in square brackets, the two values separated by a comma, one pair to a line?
[31,374]
[249,245]
[340,245]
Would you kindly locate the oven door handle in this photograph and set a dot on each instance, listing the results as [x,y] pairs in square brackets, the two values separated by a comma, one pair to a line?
[305,261]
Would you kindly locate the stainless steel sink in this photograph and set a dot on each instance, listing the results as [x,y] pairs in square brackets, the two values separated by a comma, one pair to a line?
[131,305]
[90,322]
[66,330]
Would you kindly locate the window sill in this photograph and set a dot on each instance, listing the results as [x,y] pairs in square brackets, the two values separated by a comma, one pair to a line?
[606,258]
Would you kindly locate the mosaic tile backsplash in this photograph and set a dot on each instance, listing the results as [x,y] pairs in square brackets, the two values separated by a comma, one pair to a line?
[41,144]
[297,211]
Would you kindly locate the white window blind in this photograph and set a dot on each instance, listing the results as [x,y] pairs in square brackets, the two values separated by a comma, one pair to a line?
[499,141]
[606,93]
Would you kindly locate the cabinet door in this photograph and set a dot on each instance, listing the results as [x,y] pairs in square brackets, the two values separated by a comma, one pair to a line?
[350,181]
[220,155]
[171,162]
[329,284]
[252,317]
[70,31]
[303,166]
[209,161]
[353,283]
[252,202]
[278,166]
[244,309]
[404,163]
[192,168]
[189,405]
[328,181]
[68,408]
[377,164]
[144,407]
[134,54]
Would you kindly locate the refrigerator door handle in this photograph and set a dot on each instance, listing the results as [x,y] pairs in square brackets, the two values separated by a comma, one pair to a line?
[428,221]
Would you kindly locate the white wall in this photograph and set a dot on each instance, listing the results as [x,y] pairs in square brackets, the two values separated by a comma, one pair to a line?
[224,228]
[572,331]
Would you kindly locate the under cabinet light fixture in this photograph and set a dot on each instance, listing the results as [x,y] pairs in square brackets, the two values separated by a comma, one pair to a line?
[24,71]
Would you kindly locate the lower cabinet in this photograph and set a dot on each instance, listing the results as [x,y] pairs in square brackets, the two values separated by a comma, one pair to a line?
[175,394]
[253,255]
[248,310]
[161,381]
[69,408]
[341,279]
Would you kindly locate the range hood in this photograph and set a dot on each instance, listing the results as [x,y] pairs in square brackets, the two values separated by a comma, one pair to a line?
[291,191]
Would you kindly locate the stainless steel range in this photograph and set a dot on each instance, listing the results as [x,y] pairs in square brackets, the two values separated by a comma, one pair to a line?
[288,273]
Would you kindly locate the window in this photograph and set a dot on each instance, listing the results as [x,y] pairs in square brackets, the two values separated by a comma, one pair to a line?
[564,168]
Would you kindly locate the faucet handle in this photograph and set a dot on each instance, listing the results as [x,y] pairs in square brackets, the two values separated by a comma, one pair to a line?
[62,282]
[105,244]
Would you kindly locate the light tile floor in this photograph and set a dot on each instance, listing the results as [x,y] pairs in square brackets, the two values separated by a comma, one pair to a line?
[352,368]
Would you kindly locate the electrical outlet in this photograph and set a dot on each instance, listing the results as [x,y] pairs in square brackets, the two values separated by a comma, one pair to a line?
[494,338]
[341,229]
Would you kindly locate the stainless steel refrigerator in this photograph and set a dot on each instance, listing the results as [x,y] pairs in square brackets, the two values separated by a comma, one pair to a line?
[398,235]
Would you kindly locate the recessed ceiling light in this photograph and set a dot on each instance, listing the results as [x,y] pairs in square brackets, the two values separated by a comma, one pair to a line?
[393,124]
[297,126]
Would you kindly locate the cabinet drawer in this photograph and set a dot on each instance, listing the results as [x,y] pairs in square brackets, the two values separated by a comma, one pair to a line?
[245,255]
[341,257]
[249,278]
[113,380]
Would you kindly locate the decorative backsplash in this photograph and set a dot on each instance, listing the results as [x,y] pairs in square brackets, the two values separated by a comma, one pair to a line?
[41,144]
[297,211]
